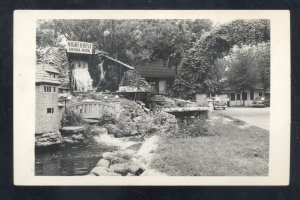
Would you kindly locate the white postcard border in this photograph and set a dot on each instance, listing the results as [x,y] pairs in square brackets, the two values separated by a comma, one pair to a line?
[24,96]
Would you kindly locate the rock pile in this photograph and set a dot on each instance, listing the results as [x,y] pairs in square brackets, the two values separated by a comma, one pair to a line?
[135,160]
[117,163]
[48,138]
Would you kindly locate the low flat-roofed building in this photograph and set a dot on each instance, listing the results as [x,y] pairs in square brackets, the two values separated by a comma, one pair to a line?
[237,96]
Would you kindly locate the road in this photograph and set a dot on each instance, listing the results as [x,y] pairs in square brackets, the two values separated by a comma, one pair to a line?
[254,116]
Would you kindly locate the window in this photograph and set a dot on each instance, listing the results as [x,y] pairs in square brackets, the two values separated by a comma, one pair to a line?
[260,94]
[48,89]
[238,96]
[244,95]
[251,95]
[50,110]
[232,96]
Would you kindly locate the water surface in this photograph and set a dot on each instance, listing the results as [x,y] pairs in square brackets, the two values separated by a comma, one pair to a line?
[69,160]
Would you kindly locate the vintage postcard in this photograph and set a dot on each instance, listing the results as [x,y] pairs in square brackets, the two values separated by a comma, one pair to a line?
[129,97]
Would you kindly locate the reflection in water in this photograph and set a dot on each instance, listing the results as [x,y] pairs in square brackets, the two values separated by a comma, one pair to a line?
[68,160]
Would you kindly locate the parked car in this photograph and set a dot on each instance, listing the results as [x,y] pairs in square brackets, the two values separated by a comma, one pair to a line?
[217,102]
[261,102]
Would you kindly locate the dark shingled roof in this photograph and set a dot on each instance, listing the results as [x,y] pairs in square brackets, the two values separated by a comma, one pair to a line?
[41,76]
[156,69]
[50,68]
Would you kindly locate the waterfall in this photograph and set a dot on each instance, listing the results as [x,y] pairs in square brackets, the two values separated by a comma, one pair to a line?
[112,141]
[82,81]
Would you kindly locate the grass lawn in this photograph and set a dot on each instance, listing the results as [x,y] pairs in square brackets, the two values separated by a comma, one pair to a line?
[234,150]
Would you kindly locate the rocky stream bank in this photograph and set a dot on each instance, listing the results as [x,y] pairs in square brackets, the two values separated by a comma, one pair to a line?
[133,158]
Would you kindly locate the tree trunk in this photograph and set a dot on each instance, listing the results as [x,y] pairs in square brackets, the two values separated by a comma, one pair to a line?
[243,97]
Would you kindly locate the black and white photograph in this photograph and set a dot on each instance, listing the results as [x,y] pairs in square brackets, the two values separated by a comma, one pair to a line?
[155,97]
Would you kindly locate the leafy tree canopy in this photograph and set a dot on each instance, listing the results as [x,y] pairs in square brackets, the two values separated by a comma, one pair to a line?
[134,42]
[199,73]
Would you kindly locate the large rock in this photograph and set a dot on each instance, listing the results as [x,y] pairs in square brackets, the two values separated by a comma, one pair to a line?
[103,171]
[135,169]
[90,174]
[108,155]
[96,130]
[152,172]
[48,139]
[121,168]
[74,138]
[113,158]
[103,163]
[125,168]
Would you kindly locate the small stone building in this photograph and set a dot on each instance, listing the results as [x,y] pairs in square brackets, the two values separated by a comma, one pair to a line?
[158,75]
[46,103]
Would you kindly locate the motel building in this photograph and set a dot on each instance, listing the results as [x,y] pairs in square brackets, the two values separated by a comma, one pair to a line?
[47,116]
[236,96]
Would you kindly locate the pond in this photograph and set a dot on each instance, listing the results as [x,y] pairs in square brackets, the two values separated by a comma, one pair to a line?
[69,160]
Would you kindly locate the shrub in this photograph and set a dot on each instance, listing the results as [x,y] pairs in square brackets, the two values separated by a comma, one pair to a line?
[106,119]
[199,128]
[71,118]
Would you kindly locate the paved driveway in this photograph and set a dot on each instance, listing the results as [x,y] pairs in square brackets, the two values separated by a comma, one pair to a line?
[254,116]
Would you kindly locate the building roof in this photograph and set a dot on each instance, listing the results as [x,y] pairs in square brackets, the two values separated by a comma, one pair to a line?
[64,88]
[156,69]
[49,68]
[256,87]
[42,76]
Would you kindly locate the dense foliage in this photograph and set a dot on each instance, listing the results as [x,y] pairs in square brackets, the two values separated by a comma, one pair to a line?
[199,73]
[191,47]
[247,66]
[71,118]
[134,42]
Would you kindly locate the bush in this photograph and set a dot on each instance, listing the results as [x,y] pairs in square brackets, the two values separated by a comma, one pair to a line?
[71,118]
[198,128]
[106,119]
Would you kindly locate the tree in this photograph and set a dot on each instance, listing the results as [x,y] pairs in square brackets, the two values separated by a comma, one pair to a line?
[247,66]
[199,73]
[135,42]
[243,70]
[262,55]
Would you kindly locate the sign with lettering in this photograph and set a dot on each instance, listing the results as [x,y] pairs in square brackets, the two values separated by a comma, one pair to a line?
[79,47]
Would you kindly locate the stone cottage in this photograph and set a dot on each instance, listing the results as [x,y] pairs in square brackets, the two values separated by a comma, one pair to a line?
[47,120]
[158,75]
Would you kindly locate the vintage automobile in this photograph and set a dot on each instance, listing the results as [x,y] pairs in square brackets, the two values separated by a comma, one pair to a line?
[261,102]
[218,103]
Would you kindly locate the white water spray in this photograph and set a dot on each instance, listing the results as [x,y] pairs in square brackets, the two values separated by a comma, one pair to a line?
[112,141]
[82,81]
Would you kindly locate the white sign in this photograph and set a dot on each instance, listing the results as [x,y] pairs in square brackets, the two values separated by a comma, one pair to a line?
[79,47]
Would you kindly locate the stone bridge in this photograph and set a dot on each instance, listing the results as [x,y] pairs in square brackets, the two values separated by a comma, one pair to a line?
[96,109]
